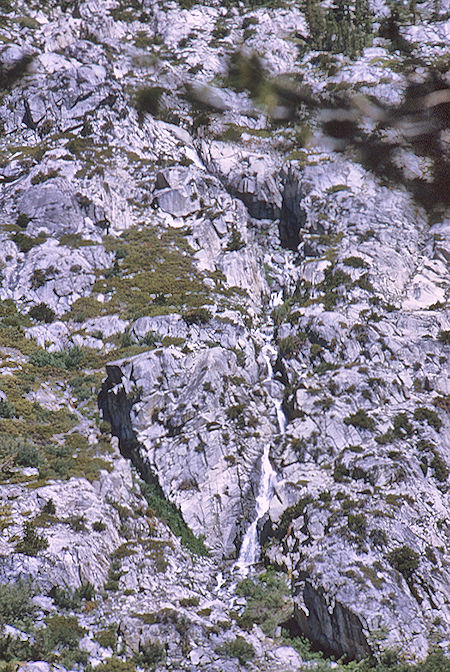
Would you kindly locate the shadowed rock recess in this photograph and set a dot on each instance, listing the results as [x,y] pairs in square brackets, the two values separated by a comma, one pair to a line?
[186,265]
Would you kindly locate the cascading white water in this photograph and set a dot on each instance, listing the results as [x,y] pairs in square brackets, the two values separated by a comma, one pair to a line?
[249,552]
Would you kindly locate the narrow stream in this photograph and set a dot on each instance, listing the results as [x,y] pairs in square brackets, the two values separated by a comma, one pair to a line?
[250,549]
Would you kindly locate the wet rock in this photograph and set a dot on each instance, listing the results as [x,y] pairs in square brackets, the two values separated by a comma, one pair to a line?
[331,626]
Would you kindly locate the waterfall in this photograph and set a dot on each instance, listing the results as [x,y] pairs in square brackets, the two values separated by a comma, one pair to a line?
[249,552]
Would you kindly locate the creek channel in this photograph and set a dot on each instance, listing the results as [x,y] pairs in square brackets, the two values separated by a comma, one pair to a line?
[250,548]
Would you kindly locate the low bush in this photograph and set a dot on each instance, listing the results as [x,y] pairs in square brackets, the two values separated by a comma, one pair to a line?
[32,542]
[115,664]
[83,387]
[66,598]
[63,631]
[148,100]
[235,243]
[151,338]
[268,602]
[26,243]
[237,648]
[58,642]
[7,409]
[42,313]
[360,419]
[378,537]
[189,601]
[290,514]
[107,638]
[24,452]
[150,653]
[14,649]
[66,359]
[289,346]
[404,560]
[444,337]
[168,512]
[49,507]
[357,523]
[16,607]
[440,468]
[98,526]
[423,414]
[197,316]
[402,426]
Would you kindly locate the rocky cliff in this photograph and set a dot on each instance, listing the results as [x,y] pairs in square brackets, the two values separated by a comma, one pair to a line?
[190,274]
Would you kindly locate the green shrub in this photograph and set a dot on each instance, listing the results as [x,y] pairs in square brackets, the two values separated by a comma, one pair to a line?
[42,313]
[303,646]
[404,560]
[77,523]
[22,221]
[357,523]
[32,542]
[169,513]
[289,346]
[360,419]
[189,601]
[126,340]
[98,526]
[355,262]
[340,472]
[58,642]
[150,653]
[23,451]
[114,574]
[237,648]
[7,409]
[83,386]
[402,426]
[440,468]
[67,359]
[385,438]
[422,414]
[291,513]
[444,337]
[14,649]
[148,99]
[235,412]
[63,631]
[435,662]
[115,664]
[151,338]
[107,637]
[378,537]
[197,316]
[235,243]
[26,243]
[16,607]
[49,507]
[268,602]
[39,278]
[345,27]
[66,598]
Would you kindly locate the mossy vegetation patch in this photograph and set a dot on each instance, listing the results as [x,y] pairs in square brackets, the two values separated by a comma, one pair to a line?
[153,274]
[36,436]
[268,602]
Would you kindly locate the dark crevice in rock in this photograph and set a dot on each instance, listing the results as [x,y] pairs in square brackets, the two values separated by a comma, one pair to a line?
[337,632]
[116,407]
[257,208]
[293,216]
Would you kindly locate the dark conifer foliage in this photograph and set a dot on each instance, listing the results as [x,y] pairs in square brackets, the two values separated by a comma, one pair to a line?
[346,27]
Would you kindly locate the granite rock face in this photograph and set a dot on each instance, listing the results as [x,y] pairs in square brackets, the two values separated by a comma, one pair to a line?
[174,255]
